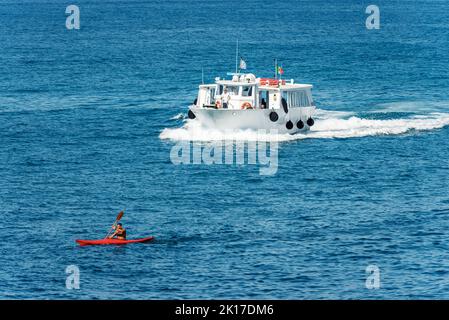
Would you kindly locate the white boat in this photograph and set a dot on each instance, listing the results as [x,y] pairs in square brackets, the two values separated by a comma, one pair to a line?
[247,102]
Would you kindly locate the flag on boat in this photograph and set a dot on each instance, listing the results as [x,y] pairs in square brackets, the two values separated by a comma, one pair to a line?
[242,64]
[280,70]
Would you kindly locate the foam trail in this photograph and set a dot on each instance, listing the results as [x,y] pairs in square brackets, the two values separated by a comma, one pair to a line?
[179,116]
[325,127]
[357,127]
[418,107]
[193,131]
[324,114]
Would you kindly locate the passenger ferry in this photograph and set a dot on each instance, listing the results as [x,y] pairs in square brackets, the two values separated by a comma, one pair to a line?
[247,102]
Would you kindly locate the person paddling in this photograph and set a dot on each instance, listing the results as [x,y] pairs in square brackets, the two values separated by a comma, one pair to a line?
[119,233]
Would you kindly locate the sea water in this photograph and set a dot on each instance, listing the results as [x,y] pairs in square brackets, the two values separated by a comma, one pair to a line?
[89,117]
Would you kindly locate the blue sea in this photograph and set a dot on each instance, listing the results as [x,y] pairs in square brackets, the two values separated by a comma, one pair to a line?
[88,119]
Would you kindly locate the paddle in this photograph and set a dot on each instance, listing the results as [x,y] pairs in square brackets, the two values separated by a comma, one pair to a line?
[119,216]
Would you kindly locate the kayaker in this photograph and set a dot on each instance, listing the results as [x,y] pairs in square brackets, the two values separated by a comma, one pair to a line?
[119,233]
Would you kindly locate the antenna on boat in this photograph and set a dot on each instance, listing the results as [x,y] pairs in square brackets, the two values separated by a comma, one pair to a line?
[275,68]
[237,56]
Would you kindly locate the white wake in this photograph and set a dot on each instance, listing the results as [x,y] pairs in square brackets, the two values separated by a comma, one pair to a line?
[328,124]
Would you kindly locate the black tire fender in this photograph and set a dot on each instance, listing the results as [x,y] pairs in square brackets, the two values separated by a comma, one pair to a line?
[310,122]
[274,116]
[284,105]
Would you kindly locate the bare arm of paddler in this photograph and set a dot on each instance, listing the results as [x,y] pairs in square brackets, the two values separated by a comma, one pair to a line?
[114,233]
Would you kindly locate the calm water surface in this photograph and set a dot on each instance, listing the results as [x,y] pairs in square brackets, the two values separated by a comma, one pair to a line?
[88,118]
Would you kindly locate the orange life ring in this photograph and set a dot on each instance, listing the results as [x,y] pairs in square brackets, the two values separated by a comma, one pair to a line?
[247,105]
[218,104]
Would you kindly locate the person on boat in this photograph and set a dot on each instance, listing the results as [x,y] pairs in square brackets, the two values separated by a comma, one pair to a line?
[119,233]
[226,98]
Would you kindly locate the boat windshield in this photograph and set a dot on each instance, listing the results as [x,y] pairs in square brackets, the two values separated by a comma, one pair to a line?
[226,89]
[247,91]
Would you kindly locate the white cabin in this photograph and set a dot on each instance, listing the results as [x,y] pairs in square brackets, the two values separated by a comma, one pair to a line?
[246,92]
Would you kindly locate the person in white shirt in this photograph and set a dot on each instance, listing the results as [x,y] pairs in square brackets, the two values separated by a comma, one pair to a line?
[226,97]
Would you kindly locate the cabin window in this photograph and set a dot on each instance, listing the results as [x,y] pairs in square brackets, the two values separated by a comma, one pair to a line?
[210,96]
[212,93]
[220,89]
[247,91]
[297,98]
[264,99]
[232,90]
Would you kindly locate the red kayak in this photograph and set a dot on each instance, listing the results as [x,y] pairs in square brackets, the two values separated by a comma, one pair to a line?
[111,241]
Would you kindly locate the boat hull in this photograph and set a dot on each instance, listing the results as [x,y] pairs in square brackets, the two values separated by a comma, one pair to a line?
[254,119]
[112,241]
